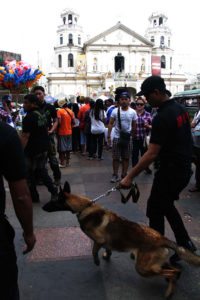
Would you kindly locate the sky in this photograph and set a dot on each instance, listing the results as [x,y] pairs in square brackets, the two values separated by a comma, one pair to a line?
[29,27]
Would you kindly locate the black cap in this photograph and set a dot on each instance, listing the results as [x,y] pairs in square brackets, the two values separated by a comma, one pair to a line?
[124,94]
[152,83]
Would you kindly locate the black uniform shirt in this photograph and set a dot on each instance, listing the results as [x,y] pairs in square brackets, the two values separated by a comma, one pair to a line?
[171,130]
[12,165]
[35,123]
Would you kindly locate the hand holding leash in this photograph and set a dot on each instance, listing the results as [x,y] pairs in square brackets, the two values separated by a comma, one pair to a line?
[134,193]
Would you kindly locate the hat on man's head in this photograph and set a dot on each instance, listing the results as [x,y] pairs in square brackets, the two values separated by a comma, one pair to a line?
[124,95]
[61,102]
[152,83]
[7,98]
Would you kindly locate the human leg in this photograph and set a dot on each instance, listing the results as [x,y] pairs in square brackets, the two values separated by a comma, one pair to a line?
[100,144]
[53,159]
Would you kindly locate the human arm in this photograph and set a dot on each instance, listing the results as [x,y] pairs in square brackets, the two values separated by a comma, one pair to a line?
[133,128]
[110,126]
[13,169]
[23,208]
[24,137]
[149,156]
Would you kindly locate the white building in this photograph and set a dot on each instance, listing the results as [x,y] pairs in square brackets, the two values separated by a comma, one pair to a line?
[115,58]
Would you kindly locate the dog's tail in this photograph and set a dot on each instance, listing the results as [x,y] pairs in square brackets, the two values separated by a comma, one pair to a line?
[184,253]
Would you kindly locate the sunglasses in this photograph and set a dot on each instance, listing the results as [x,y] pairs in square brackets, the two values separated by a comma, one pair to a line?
[140,104]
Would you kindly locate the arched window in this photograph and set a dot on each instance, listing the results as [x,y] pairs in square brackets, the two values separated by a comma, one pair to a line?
[70,39]
[163,62]
[170,62]
[152,39]
[79,40]
[61,39]
[69,19]
[70,60]
[160,21]
[59,61]
[169,42]
[154,23]
[64,20]
[162,41]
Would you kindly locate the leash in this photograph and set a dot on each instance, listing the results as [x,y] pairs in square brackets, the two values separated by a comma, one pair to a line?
[133,192]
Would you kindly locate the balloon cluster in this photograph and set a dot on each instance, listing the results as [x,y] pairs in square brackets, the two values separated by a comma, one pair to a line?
[17,74]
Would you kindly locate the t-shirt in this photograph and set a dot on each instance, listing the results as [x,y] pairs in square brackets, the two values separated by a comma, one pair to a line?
[97,126]
[196,139]
[35,123]
[171,130]
[12,165]
[66,116]
[126,117]
[81,115]
[50,113]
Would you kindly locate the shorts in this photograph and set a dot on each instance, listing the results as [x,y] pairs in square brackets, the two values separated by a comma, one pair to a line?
[120,152]
[64,143]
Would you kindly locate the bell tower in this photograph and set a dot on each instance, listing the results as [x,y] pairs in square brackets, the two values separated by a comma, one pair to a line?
[160,35]
[69,41]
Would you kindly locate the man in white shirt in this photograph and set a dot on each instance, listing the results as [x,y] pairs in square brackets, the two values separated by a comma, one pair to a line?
[123,119]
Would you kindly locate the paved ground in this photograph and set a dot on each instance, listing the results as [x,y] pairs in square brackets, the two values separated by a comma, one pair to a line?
[61,267]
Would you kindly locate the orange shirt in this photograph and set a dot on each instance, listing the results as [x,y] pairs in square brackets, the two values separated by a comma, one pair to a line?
[81,115]
[65,117]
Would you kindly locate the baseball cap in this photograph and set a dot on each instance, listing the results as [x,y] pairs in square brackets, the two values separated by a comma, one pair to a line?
[124,94]
[7,98]
[150,84]
[61,102]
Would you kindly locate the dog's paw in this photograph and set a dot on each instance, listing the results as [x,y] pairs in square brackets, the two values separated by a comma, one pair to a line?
[97,261]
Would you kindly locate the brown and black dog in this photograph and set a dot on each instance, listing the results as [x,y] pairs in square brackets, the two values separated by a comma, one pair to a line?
[112,232]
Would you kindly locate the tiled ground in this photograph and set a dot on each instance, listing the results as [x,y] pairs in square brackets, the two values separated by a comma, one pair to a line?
[61,266]
[60,243]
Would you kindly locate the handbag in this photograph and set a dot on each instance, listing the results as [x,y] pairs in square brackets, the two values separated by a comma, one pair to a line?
[196,129]
[124,137]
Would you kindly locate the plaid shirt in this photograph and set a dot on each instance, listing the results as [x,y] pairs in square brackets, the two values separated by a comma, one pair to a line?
[141,131]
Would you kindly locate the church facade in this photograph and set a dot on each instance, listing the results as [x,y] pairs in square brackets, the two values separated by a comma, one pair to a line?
[117,57]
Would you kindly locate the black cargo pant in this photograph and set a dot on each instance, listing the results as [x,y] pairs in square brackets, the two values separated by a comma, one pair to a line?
[53,159]
[168,182]
[8,262]
[38,163]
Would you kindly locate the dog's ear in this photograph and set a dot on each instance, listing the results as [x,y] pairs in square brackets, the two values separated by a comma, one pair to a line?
[67,188]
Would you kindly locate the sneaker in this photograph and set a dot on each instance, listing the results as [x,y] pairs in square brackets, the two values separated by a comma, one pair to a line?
[90,158]
[100,158]
[62,166]
[114,179]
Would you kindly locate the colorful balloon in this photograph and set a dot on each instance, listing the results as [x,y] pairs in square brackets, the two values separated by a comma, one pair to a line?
[15,74]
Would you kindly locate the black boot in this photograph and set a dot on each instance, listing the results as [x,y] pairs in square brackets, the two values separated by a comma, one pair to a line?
[175,258]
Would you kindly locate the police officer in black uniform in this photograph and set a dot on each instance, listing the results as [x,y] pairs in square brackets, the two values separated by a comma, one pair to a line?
[171,141]
[12,168]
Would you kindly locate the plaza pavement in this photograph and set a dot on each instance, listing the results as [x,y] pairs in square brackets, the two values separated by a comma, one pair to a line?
[61,266]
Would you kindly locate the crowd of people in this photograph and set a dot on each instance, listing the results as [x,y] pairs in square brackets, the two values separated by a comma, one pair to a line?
[152,127]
